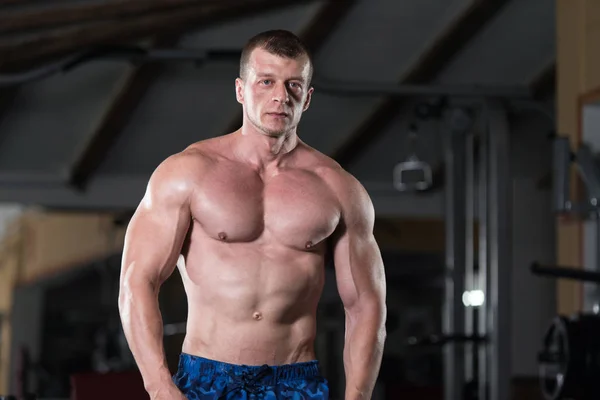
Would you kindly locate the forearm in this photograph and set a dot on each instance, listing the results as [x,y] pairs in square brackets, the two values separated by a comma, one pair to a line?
[143,328]
[363,350]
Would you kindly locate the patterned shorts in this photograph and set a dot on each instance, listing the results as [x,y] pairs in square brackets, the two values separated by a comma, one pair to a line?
[204,379]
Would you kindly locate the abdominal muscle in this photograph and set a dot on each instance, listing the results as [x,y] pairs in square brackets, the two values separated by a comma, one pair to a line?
[251,305]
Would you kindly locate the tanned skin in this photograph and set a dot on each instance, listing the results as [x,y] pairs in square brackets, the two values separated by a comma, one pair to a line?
[247,217]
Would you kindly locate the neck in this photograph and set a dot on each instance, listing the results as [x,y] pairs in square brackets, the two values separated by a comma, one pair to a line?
[257,148]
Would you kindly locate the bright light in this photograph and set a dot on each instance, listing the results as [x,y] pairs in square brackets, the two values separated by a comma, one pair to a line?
[473,298]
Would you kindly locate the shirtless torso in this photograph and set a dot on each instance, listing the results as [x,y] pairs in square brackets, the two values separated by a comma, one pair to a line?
[253,262]
[247,218]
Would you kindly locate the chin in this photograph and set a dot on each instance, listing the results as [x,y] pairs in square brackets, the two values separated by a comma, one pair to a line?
[275,131]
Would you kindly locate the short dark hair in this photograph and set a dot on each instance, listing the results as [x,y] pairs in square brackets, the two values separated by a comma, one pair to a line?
[278,42]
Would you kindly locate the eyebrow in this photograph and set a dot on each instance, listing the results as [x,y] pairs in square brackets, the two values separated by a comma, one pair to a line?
[268,75]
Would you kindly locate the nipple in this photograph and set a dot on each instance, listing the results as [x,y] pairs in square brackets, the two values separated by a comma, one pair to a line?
[222,236]
[257,316]
[309,244]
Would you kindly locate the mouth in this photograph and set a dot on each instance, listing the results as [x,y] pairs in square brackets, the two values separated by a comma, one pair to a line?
[278,114]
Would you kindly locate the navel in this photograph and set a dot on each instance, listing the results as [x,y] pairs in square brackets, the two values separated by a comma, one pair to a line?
[257,316]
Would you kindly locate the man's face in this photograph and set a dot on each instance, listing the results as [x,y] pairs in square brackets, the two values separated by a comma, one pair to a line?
[274,91]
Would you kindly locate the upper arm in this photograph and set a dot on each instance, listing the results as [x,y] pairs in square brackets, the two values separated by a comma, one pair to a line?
[159,225]
[358,264]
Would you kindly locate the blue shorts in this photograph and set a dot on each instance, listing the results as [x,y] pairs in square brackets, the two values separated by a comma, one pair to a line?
[204,379]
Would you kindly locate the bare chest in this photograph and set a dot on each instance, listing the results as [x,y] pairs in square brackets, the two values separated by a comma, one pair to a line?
[295,208]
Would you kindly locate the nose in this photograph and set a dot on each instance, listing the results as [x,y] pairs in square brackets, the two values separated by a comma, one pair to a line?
[280,93]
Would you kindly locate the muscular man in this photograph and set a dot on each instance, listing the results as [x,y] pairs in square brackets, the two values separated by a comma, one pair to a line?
[247,218]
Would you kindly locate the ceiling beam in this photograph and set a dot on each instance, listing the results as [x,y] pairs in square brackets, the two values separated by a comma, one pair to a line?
[44,17]
[543,85]
[62,41]
[120,110]
[450,42]
[32,178]
[7,97]
[11,2]
[314,36]
[116,116]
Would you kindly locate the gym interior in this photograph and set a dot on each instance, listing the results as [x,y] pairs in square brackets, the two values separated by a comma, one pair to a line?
[474,125]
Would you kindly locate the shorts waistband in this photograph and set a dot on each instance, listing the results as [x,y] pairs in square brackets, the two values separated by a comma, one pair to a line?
[265,374]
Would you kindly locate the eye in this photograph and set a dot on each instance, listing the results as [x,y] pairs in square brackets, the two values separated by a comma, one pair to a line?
[295,85]
[266,81]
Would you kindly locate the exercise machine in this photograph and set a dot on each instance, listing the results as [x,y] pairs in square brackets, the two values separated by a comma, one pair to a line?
[569,362]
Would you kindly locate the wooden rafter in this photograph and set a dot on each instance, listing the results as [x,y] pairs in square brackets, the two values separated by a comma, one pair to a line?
[324,23]
[44,17]
[10,2]
[62,41]
[544,83]
[122,106]
[429,65]
[313,35]
[116,116]
[7,96]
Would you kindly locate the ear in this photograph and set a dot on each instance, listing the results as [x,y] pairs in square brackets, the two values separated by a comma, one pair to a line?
[239,90]
[308,98]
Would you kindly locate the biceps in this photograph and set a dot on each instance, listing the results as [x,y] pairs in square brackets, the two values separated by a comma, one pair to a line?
[153,242]
[359,269]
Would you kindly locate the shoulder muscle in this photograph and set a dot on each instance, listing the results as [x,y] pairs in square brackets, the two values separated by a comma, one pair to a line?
[355,204]
[173,181]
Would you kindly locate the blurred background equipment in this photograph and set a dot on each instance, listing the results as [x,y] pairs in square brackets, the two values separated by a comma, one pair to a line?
[570,355]
[412,174]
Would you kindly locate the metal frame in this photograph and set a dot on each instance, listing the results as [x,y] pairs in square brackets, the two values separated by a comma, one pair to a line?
[592,291]
[453,309]
[500,254]
[486,362]
[483,254]
[589,173]
[561,162]
[589,208]
[470,348]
